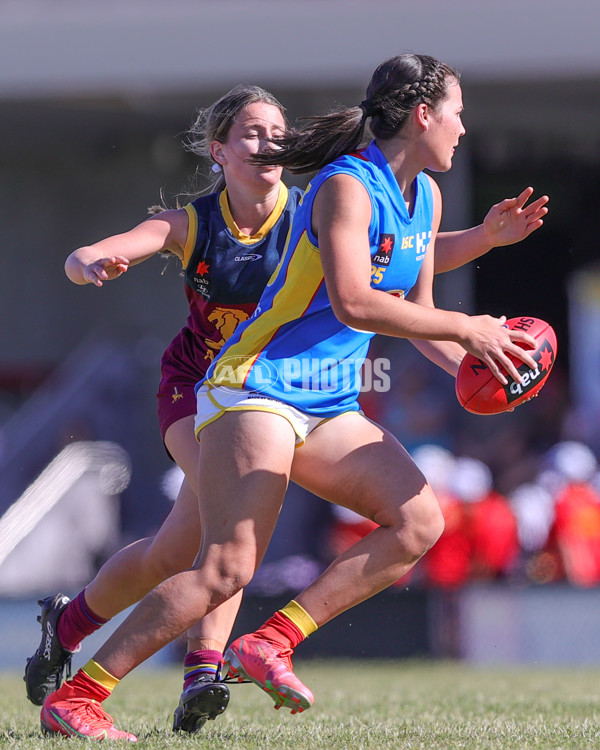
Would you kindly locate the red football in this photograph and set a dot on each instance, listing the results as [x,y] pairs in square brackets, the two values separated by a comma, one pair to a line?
[481,393]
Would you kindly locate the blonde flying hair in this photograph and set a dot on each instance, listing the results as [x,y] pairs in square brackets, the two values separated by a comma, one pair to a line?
[213,124]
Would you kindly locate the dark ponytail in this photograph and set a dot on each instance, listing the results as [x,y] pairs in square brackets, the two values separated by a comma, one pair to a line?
[320,141]
[396,88]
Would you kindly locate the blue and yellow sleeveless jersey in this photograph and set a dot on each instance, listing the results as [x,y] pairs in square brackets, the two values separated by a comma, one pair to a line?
[293,348]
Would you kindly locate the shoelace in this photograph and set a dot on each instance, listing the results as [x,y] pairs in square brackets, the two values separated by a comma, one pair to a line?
[286,655]
[67,667]
[87,707]
[234,680]
[227,678]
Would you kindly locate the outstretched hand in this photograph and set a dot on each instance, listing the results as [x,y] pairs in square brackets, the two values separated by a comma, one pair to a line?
[513,219]
[105,269]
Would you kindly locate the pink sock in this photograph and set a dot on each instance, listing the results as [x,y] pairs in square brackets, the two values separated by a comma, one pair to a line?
[76,622]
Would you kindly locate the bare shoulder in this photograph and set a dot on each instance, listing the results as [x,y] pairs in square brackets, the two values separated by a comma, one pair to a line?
[435,189]
[437,202]
[173,216]
[341,197]
[343,186]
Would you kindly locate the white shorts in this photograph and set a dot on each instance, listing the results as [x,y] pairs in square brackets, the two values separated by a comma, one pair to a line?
[212,402]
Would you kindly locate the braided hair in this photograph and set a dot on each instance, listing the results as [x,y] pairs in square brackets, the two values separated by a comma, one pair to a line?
[397,86]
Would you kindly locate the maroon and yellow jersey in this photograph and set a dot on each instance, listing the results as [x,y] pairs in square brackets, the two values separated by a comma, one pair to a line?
[225,274]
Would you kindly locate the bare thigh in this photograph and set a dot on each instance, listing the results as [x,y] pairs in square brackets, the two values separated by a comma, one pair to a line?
[355,463]
[245,459]
[176,543]
[133,571]
[183,446]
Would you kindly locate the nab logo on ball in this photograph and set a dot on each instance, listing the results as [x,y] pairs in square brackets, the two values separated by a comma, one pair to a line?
[481,393]
[544,356]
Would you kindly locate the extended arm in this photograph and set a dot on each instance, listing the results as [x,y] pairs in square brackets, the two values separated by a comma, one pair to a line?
[341,216]
[507,222]
[111,257]
[446,354]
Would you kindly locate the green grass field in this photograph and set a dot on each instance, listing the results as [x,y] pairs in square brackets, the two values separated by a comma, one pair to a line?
[359,704]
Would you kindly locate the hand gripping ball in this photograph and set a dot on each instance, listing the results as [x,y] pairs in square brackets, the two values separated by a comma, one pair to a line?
[481,393]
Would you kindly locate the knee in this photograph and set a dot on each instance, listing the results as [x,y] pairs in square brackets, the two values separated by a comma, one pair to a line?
[226,575]
[164,563]
[419,526]
[425,525]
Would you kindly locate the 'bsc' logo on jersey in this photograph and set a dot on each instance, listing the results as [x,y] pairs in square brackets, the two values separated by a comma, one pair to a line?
[383,256]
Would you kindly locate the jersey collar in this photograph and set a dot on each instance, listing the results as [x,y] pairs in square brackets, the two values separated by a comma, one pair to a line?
[272,219]
[374,154]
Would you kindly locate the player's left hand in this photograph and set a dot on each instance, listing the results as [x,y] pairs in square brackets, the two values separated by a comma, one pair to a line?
[513,219]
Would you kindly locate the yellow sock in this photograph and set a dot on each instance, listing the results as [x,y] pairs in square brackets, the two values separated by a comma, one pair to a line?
[93,670]
[300,617]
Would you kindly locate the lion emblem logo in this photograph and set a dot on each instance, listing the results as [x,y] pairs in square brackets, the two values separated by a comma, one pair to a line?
[226,320]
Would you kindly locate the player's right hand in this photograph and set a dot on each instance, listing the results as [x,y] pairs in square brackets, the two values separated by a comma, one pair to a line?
[105,269]
[492,342]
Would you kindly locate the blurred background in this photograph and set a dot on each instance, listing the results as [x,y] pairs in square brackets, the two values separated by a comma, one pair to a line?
[95,99]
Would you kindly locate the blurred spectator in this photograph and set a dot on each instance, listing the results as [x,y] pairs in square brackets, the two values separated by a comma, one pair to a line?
[420,406]
[575,534]
[533,506]
[447,563]
[571,460]
[490,523]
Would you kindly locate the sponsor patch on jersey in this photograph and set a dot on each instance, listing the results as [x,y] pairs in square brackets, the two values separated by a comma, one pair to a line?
[249,256]
[200,279]
[383,256]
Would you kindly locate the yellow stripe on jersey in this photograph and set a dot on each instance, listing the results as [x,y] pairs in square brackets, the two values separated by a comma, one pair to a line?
[303,277]
[190,242]
[248,239]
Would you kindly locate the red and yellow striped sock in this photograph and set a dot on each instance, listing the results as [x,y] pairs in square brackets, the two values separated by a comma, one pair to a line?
[93,681]
[288,627]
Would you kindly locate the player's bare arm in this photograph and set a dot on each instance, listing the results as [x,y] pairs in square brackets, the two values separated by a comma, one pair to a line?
[445,354]
[342,230]
[111,257]
[507,222]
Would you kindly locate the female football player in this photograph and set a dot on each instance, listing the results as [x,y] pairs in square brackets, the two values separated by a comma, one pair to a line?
[242,483]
